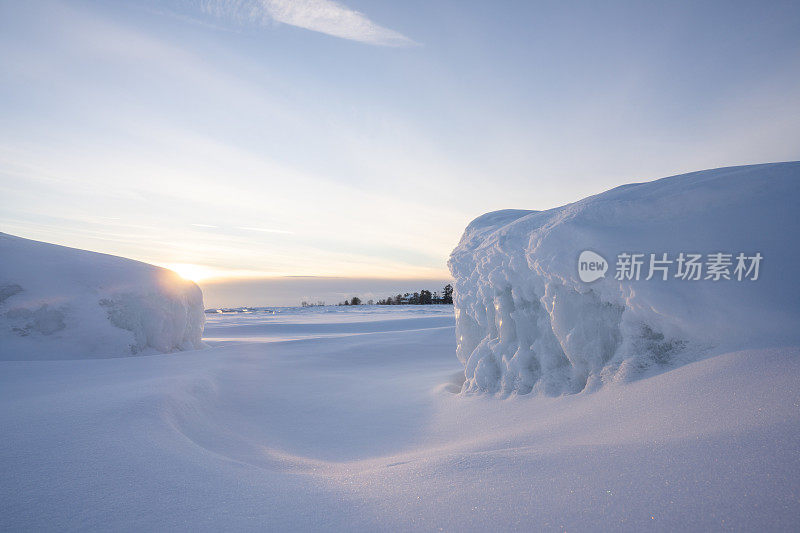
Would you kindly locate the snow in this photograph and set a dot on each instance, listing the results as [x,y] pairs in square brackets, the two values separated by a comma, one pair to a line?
[63,303]
[683,410]
[527,323]
[360,429]
[271,324]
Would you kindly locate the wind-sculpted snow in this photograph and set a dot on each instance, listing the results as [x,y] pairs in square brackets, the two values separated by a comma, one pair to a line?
[63,303]
[348,429]
[526,322]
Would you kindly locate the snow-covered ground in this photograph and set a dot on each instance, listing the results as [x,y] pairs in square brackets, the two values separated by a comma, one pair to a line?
[612,404]
[356,425]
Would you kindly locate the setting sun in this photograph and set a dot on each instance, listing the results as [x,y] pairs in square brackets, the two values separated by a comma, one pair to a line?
[193,272]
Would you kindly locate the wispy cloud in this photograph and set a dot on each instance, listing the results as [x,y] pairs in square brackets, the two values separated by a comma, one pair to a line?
[324,16]
[266,230]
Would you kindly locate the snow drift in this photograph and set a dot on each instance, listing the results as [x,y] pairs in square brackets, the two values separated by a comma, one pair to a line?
[358,432]
[63,303]
[526,322]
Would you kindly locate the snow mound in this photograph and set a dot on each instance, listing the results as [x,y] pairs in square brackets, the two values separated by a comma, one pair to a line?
[525,321]
[63,303]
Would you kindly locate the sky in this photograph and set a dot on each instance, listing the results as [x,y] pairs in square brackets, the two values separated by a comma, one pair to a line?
[244,140]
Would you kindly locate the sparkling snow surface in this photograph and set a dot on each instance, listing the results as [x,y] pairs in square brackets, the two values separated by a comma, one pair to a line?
[355,426]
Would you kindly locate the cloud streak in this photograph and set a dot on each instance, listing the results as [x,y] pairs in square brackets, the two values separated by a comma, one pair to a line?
[266,230]
[323,16]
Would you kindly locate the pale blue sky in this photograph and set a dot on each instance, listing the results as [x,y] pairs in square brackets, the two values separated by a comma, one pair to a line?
[258,138]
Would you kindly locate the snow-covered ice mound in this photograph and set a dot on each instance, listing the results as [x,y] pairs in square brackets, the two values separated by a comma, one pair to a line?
[63,303]
[526,321]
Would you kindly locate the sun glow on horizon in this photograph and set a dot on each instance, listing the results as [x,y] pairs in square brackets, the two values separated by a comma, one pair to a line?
[195,272]
[203,273]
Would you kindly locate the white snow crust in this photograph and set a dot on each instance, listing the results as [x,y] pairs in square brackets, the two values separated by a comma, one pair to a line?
[64,303]
[525,322]
[354,426]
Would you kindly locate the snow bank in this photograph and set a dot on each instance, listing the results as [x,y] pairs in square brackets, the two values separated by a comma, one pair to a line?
[526,322]
[63,303]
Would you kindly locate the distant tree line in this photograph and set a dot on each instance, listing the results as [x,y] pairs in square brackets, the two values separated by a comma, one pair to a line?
[423,297]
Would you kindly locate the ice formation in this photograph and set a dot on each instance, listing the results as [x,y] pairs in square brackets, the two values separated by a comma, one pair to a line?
[63,303]
[526,322]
